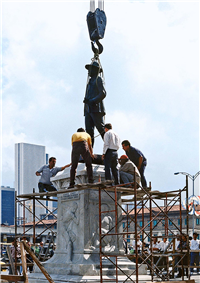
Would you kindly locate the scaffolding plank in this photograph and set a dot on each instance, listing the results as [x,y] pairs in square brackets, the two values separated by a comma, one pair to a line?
[24,264]
[11,278]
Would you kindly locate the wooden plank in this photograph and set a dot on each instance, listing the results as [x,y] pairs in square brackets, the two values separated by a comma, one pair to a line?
[41,267]
[184,281]
[80,187]
[24,265]
[10,260]
[14,278]
[28,264]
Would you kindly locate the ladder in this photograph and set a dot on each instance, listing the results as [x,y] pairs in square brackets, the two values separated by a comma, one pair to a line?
[45,250]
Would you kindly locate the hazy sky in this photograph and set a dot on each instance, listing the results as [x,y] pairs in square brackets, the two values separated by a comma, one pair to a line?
[151,67]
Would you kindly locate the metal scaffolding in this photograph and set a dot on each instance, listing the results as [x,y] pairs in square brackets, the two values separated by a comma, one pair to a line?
[35,199]
[142,199]
[145,198]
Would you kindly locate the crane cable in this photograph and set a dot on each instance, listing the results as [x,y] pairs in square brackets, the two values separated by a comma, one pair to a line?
[100,5]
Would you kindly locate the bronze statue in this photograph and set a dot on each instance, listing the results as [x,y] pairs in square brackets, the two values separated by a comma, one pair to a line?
[94,110]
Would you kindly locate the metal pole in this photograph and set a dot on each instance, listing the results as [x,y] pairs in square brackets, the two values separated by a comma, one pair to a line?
[150,234]
[15,232]
[100,249]
[116,220]
[193,201]
[142,225]
[187,232]
[34,240]
[24,218]
[180,208]
[193,179]
[135,204]
[166,219]
[127,227]
[15,214]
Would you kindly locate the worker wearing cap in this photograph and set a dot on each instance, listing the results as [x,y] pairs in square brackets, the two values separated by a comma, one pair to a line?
[138,158]
[126,170]
[94,110]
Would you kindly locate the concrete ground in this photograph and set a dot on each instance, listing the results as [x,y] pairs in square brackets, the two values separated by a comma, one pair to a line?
[90,279]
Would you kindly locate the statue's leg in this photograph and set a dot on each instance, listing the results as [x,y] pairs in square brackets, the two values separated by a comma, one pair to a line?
[98,122]
[89,126]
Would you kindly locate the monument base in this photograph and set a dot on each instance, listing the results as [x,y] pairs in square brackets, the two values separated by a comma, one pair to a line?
[77,257]
[108,272]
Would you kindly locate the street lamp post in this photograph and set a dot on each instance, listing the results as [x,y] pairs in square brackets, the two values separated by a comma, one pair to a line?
[192,177]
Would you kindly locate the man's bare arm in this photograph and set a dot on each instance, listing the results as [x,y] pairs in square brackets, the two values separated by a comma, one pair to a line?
[65,166]
[140,162]
[37,173]
[91,150]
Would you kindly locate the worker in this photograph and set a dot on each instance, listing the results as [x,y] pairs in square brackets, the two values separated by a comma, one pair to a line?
[127,169]
[137,157]
[94,110]
[110,156]
[194,254]
[48,171]
[81,145]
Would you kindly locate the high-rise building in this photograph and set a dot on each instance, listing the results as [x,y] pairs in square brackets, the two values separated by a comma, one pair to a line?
[7,205]
[28,159]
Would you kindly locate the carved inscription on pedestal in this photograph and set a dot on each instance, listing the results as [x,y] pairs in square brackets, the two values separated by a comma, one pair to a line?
[70,196]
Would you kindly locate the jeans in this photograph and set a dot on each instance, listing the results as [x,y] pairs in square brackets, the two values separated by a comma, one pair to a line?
[81,148]
[110,161]
[126,177]
[92,120]
[46,188]
[194,258]
[143,180]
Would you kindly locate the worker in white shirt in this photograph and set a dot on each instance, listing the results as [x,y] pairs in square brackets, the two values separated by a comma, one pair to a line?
[110,156]
[155,249]
[139,244]
[194,256]
[163,245]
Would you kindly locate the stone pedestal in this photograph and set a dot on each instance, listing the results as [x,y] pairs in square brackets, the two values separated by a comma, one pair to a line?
[77,252]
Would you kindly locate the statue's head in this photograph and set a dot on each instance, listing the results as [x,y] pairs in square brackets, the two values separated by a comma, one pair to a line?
[93,69]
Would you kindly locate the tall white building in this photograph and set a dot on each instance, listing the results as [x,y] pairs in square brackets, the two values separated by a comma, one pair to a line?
[28,159]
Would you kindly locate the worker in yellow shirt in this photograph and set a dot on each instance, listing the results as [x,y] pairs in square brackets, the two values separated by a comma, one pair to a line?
[81,145]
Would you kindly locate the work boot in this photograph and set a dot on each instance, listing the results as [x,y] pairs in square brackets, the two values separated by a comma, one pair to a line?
[71,186]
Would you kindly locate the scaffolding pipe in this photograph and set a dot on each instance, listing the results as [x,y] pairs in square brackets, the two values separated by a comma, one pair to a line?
[34,239]
[100,248]
[116,230]
[136,248]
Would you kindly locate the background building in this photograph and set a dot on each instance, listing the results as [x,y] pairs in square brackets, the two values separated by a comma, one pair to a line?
[161,225]
[28,159]
[7,205]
